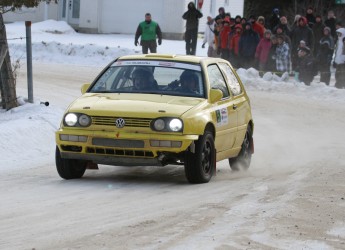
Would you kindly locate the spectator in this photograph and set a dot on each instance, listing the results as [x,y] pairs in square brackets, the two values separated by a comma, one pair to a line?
[325,54]
[247,46]
[295,24]
[306,66]
[280,31]
[330,22]
[192,16]
[224,39]
[209,37]
[302,32]
[310,17]
[318,29]
[274,19]
[234,46]
[243,22]
[339,60]
[149,31]
[257,27]
[282,55]
[262,50]
[284,25]
[261,20]
[217,30]
[221,13]
[238,19]
[271,60]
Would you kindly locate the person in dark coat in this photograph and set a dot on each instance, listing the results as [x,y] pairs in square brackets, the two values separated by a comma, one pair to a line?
[330,22]
[302,32]
[283,23]
[192,16]
[149,31]
[274,19]
[271,60]
[325,54]
[306,66]
[310,17]
[247,46]
[318,29]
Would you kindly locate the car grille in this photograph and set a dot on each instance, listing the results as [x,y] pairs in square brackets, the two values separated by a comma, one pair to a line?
[129,122]
[118,143]
[119,152]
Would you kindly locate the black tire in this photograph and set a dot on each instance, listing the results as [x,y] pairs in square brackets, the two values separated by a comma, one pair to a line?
[69,168]
[243,159]
[199,167]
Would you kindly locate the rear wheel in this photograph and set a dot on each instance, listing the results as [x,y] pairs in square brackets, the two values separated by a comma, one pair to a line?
[69,168]
[199,166]
[243,159]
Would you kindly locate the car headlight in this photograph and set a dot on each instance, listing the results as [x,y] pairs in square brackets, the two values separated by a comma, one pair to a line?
[71,119]
[167,124]
[159,124]
[175,125]
[77,120]
[84,120]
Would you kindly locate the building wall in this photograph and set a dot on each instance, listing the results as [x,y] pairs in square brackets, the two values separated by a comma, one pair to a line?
[89,12]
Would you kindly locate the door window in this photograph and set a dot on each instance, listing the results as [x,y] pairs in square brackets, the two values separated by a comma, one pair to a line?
[234,85]
[217,80]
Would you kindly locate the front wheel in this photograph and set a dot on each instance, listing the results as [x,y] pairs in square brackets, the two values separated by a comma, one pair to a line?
[243,159]
[199,166]
[69,168]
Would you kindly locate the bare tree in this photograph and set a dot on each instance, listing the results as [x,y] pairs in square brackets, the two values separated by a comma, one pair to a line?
[7,79]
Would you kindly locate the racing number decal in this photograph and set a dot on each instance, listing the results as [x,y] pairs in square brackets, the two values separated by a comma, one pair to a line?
[222,117]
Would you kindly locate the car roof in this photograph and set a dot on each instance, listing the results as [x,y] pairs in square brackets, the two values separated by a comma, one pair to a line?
[172,57]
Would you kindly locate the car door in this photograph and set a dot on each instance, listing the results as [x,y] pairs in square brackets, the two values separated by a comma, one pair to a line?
[224,112]
[239,101]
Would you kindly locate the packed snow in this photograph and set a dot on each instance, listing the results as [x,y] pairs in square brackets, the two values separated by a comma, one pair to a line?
[26,128]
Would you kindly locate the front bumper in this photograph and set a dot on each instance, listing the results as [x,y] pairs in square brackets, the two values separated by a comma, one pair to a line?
[121,148]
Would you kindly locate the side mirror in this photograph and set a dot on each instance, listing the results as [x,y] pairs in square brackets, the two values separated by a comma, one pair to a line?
[215,95]
[84,87]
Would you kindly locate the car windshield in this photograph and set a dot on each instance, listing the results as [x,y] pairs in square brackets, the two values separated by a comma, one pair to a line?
[153,77]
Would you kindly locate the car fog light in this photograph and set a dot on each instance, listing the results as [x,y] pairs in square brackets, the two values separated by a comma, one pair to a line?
[74,138]
[166,144]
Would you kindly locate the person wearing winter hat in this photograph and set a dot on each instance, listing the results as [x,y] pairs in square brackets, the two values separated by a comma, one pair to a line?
[234,46]
[224,39]
[306,65]
[247,46]
[192,16]
[282,55]
[262,50]
[339,60]
[261,20]
[257,27]
[325,54]
[302,32]
[209,37]
[317,32]
[274,19]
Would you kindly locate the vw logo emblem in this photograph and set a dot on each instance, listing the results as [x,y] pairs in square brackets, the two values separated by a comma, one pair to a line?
[120,123]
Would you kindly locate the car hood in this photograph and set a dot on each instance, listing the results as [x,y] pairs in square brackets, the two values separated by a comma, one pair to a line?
[134,105]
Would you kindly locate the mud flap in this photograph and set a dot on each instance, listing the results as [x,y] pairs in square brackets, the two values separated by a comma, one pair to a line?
[215,163]
[91,165]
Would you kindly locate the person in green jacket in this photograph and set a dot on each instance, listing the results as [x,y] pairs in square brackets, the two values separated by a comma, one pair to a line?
[149,31]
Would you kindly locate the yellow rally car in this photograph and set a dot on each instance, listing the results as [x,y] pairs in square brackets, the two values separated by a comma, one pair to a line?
[154,110]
